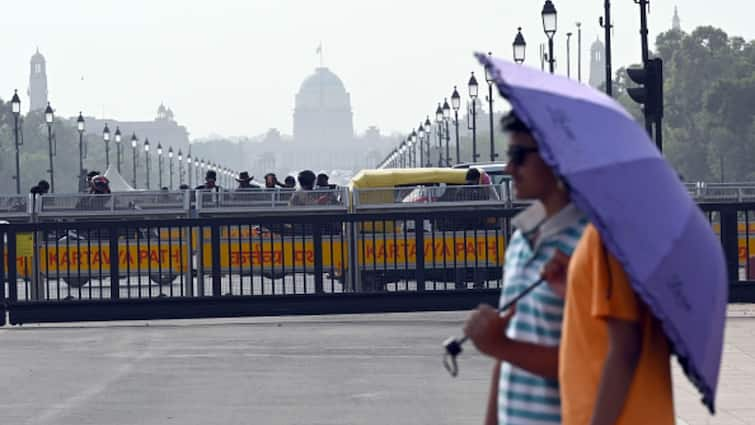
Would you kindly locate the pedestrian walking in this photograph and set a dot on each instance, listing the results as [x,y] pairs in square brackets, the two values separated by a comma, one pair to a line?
[524,343]
[289,182]
[271,181]
[305,194]
[245,182]
[209,182]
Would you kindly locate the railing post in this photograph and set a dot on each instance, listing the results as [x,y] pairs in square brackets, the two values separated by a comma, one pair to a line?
[115,274]
[317,247]
[200,260]
[12,266]
[215,242]
[729,240]
[3,275]
[419,262]
[353,254]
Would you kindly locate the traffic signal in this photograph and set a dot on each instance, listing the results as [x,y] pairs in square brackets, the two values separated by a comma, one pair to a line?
[650,91]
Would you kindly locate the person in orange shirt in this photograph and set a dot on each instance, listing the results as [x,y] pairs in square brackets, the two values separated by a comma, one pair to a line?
[614,359]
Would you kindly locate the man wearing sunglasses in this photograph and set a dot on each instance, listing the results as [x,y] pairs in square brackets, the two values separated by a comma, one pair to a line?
[524,342]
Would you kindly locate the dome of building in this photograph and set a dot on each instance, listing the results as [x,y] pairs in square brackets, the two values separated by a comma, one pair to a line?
[322,116]
[323,89]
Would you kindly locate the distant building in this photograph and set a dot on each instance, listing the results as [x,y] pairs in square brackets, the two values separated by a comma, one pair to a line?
[676,23]
[323,116]
[163,129]
[597,64]
[37,83]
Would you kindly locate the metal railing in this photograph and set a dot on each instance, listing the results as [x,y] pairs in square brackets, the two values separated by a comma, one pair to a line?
[284,262]
[721,192]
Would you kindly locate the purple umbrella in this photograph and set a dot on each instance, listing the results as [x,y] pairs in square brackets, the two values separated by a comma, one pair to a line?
[640,207]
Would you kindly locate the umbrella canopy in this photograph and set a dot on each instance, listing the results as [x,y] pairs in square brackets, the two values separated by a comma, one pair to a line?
[637,202]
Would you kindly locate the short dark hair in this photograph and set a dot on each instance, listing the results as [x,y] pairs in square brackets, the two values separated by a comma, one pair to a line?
[306,179]
[473,174]
[43,184]
[322,179]
[511,123]
[211,175]
[290,181]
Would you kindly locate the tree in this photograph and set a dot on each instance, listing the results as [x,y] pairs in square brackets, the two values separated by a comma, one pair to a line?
[709,90]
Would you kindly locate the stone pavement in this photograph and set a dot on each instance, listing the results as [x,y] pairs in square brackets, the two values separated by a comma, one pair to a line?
[355,369]
[735,403]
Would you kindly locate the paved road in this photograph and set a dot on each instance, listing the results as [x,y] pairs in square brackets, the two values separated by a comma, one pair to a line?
[369,369]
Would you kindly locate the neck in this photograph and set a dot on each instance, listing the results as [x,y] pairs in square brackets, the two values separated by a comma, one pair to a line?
[555,202]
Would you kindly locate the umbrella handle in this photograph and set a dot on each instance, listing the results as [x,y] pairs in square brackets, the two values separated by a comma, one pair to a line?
[453,345]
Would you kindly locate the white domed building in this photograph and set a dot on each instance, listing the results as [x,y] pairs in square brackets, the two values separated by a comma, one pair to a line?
[323,121]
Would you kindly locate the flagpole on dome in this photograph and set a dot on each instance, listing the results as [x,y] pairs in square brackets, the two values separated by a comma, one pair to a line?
[319,52]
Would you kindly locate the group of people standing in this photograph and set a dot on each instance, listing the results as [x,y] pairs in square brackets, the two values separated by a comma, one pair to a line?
[312,190]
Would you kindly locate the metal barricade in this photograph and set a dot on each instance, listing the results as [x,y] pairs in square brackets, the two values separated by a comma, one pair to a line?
[16,208]
[262,200]
[119,204]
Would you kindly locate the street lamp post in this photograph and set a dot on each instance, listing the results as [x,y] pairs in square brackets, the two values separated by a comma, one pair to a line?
[196,171]
[180,168]
[428,127]
[473,95]
[49,118]
[549,26]
[159,166]
[520,47]
[608,27]
[146,162]
[106,139]
[568,54]
[421,139]
[188,169]
[413,140]
[456,104]
[489,79]
[16,109]
[439,121]
[579,51]
[446,118]
[80,128]
[134,156]
[118,149]
[170,167]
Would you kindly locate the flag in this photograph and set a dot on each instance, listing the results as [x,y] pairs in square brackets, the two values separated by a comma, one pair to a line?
[319,49]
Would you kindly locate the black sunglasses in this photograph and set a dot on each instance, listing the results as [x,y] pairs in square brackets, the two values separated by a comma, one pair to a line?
[518,154]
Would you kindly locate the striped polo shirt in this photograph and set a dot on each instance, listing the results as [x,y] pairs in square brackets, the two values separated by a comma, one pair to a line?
[524,398]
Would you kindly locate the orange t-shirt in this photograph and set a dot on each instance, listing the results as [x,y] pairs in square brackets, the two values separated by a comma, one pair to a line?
[598,289]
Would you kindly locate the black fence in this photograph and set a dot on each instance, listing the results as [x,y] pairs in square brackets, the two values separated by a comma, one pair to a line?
[282,263]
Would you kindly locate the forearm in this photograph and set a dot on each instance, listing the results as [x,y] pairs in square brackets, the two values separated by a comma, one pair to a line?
[615,380]
[491,413]
[537,359]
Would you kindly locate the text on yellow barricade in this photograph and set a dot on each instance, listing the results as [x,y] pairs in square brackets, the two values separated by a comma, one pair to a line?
[133,258]
[286,254]
[453,251]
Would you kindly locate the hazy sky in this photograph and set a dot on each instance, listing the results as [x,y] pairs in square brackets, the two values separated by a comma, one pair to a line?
[232,67]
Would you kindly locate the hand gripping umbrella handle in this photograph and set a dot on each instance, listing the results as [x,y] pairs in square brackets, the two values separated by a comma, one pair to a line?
[453,346]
